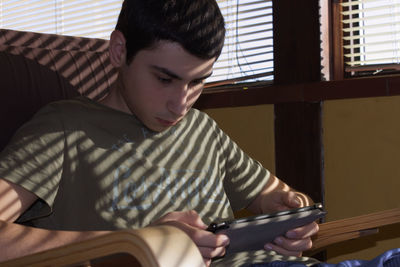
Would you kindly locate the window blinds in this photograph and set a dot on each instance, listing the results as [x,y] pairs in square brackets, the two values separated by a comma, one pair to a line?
[371,35]
[248,51]
[89,18]
[246,56]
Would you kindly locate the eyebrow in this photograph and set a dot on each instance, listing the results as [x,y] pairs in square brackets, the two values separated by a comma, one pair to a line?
[176,76]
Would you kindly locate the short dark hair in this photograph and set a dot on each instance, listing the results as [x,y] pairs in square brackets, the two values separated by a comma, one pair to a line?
[197,25]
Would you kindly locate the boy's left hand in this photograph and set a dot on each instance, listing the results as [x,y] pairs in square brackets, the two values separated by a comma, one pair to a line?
[296,240]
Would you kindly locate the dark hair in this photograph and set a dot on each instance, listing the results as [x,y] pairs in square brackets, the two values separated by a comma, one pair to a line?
[197,25]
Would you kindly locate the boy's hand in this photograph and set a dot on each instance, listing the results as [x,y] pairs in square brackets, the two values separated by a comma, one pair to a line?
[210,245]
[296,240]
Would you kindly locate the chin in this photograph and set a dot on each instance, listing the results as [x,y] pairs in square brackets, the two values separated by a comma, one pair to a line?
[157,129]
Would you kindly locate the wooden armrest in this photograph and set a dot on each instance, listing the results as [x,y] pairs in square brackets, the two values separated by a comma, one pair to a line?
[355,227]
[159,246]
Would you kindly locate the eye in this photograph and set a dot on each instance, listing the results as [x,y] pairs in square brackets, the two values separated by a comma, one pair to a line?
[164,80]
[196,82]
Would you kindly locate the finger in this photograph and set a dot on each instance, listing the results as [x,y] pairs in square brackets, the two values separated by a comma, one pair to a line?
[192,218]
[208,239]
[282,251]
[207,262]
[293,244]
[305,231]
[292,200]
[305,201]
[209,253]
[200,237]
[189,217]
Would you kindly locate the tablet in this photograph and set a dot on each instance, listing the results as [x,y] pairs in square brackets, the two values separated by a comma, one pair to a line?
[252,233]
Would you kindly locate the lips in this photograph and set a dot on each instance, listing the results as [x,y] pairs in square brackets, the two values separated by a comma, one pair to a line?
[167,122]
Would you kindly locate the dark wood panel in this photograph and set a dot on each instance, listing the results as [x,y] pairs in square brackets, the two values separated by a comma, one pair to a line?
[296,41]
[298,129]
[298,146]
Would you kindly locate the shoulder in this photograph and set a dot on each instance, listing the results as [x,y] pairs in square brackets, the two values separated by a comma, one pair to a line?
[78,104]
[201,117]
[55,115]
[76,109]
[201,121]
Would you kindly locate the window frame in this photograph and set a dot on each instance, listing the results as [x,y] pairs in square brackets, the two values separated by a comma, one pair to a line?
[337,49]
[337,87]
[247,14]
[337,40]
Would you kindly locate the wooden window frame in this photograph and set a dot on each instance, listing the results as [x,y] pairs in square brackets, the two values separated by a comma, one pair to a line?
[338,87]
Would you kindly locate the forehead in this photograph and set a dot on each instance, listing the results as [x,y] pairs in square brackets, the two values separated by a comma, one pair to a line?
[172,56]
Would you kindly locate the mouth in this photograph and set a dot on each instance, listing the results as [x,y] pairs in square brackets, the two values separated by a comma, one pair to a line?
[167,123]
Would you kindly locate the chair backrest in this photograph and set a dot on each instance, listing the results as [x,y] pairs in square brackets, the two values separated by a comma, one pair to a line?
[37,68]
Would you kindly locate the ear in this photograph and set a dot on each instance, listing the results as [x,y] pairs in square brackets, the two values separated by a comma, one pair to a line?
[117,49]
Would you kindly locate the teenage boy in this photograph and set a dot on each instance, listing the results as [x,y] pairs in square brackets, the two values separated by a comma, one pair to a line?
[142,156]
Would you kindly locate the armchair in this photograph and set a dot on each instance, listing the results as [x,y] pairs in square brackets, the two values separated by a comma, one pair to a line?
[38,68]
[167,246]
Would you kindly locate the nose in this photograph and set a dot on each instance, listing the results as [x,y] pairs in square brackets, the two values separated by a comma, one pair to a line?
[178,102]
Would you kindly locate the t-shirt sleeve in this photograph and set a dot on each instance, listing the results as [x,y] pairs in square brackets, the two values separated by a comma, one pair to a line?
[244,177]
[33,159]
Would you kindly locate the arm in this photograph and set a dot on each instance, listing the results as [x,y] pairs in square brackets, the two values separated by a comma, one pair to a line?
[277,196]
[18,240]
[209,244]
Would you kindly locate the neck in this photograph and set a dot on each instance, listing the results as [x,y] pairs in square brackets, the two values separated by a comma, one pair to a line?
[115,99]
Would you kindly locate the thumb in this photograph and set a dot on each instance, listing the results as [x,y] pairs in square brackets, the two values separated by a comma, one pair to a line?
[292,200]
[192,218]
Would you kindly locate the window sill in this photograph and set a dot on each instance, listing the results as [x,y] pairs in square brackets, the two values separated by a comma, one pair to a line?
[305,92]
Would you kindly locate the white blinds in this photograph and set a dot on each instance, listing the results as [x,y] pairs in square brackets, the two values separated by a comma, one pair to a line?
[89,18]
[371,34]
[248,50]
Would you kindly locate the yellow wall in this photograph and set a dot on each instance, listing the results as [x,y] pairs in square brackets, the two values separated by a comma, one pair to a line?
[252,128]
[362,161]
[362,167]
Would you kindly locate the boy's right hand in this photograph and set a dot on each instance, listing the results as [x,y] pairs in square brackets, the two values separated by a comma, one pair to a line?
[210,245]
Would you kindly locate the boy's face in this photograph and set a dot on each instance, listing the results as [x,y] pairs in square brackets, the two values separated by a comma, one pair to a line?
[160,85]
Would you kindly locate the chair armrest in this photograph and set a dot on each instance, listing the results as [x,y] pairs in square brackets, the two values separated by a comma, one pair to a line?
[354,227]
[159,246]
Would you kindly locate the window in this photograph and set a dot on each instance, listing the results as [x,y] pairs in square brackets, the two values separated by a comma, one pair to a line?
[89,18]
[246,57]
[370,36]
[248,50]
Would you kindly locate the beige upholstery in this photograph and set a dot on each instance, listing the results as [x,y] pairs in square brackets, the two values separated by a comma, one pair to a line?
[160,246]
[36,69]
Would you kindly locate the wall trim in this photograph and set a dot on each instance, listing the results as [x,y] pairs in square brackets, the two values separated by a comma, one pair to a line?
[303,92]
